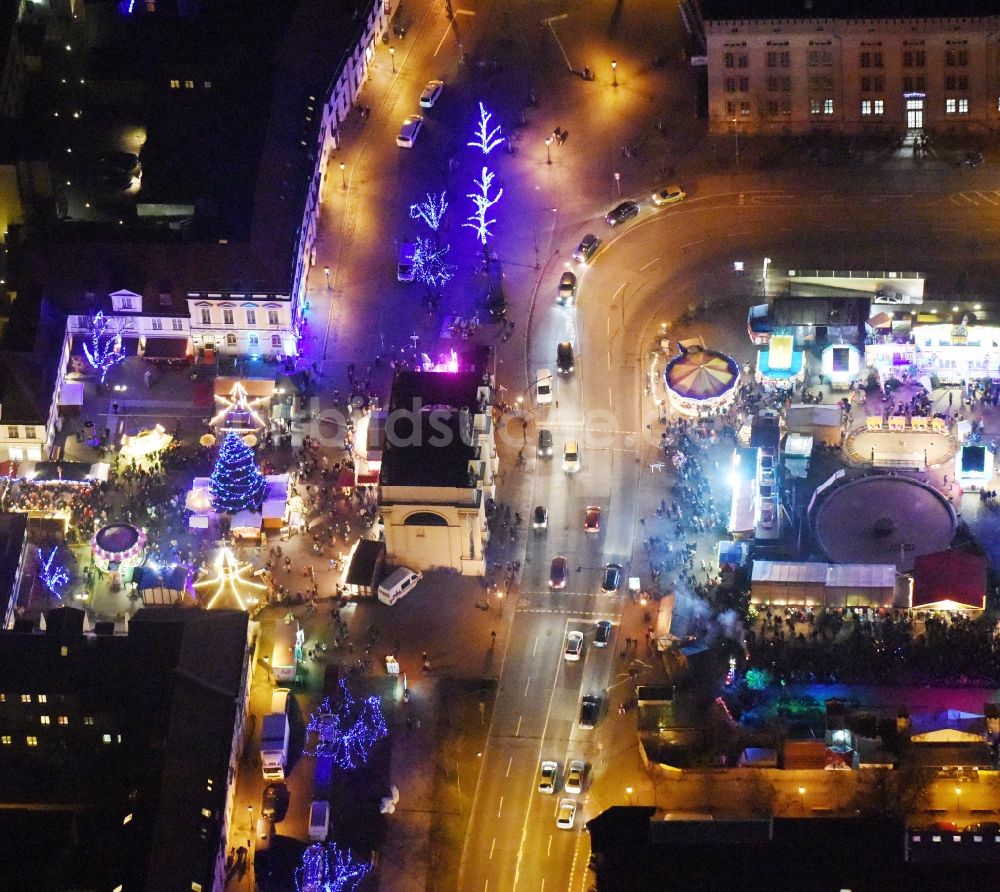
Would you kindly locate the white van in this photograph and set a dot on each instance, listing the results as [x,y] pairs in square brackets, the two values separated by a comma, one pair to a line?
[279,700]
[398,585]
[543,387]
[408,132]
[319,820]
[404,269]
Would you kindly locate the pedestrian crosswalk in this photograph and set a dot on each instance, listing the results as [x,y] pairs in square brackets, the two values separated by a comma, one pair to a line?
[976,198]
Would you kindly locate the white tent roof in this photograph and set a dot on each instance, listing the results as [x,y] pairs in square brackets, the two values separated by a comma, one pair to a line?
[798,444]
[861,575]
[789,571]
[244,520]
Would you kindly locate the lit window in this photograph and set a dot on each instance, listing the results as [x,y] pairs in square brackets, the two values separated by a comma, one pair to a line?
[127,819]
[206,812]
[63,720]
[827,106]
[175,84]
[106,738]
[950,106]
[12,432]
[866,107]
[253,340]
[963,106]
[815,106]
[207,85]
[25,698]
[88,720]
[43,698]
[6,740]
[44,719]
[744,108]
[880,106]
[188,85]
[32,741]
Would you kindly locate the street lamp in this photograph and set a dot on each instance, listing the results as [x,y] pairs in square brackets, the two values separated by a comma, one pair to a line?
[958,799]
[614,72]
[250,813]
[343,178]
[548,149]
[802,798]
[736,136]
[628,792]
[618,183]
[392,55]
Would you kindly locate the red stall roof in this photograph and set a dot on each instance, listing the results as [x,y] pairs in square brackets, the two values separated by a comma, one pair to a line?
[949,580]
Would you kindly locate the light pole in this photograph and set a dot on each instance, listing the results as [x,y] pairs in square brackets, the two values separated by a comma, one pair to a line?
[802,799]
[628,790]
[614,72]
[343,177]
[392,55]
[250,812]
[548,149]
[736,136]
[618,183]
[958,799]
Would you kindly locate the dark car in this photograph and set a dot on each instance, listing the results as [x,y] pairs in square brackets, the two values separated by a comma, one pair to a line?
[587,248]
[540,519]
[622,212]
[557,572]
[545,443]
[274,802]
[564,357]
[602,634]
[567,289]
[590,709]
[612,578]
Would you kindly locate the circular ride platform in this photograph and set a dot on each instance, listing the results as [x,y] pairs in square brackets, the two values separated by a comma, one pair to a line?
[883,519]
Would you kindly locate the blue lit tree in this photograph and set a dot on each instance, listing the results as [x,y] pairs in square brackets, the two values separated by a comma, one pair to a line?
[429,265]
[52,573]
[236,484]
[431,210]
[483,202]
[104,351]
[346,732]
[486,140]
[329,869]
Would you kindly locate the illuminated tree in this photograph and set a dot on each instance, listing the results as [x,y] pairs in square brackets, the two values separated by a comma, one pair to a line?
[348,731]
[429,265]
[486,140]
[329,869]
[104,351]
[483,203]
[236,484]
[431,210]
[52,574]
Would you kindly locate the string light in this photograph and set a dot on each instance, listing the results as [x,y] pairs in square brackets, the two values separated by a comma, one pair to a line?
[52,574]
[348,732]
[329,869]
[236,484]
[486,140]
[104,350]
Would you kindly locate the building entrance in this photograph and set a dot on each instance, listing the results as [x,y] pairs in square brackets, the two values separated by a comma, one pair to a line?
[914,112]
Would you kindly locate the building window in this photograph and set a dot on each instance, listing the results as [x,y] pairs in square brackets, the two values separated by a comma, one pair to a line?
[877,59]
[879,106]
[188,85]
[772,59]
[29,434]
[6,740]
[772,108]
[32,740]
[827,106]
[730,109]
[175,84]
[44,720]
[907,84]
[730,85]
[106,738]
[272,317]
[963,106]
[230,340]
[63,720]
[920,81]
[206,316]
[815,106]
[43,698]
[743,61]
[772,83]
[950,106]
[253,341]
[25,698]
[744,85]
[729,60]
[156,324]
[276,342]
[963,82]
[786,84]
[177,324]
[866,106]
[786,106]
[866,60]
[251,317]
[13,434]
[124,303]
[744,109]
[866,85]
[878,84]
[227,317]
[88,720]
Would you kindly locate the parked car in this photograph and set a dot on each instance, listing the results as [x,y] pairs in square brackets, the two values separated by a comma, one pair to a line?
[590,708]
[540,517]
[602,633]
[545,443]
[574,646]
[557,572]
[592,519]
[409,132]
[431,94]
[566,816]
[567,289]
[621,212]
[564,357]
[669,195]
[548,776]
[587,248]
[575,773]
[612,578]
[986,828]
[543,387]
[274,802]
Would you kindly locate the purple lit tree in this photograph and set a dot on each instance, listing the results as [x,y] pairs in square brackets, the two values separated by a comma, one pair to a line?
[104,351]
[52,574]
[483,202]
[486,140]
[346,732]
[329,869]
[429,265]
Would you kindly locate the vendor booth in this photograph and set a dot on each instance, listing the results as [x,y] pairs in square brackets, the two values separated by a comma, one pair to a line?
[841,364]
[780,364]
[973,467]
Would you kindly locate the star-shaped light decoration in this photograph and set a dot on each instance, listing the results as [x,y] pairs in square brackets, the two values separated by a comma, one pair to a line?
[238,412]
[231,579]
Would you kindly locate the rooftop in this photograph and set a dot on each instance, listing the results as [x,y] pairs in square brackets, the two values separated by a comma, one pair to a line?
[713,10]
[29,351]
[427,449]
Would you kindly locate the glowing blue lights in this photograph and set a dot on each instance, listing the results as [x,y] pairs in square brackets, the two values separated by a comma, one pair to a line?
[236,484]
[429,266]
[329,869]
[52,574]
[486,140]
[430,210]
[104,350]
[347,733]
[483,202]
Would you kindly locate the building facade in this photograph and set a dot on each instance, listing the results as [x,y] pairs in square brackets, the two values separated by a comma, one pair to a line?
[775,71]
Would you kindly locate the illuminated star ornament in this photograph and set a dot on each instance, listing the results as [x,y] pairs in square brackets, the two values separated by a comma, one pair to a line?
[231,580]
[52,574]
[348,732]
[329,869]
[238,412]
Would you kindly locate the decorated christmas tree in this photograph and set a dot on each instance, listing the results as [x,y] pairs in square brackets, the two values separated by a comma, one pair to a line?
[236,484]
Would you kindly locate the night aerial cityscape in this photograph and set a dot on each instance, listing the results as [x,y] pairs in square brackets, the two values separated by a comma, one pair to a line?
[499,445]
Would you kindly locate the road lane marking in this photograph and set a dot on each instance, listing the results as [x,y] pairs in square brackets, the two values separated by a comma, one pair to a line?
[493,845]
[527,685]
[517,730]
[548,851]
[651,262]
[609,360]
[985,196]
[465,12]
[444,37]
[534,650]
[510,762]
[500,809]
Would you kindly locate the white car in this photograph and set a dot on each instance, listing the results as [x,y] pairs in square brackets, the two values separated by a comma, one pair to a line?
[670,195]
[574,646]
[574,776]
[431,94]
[566,816]
[548,776]
[409,131]
[543,387]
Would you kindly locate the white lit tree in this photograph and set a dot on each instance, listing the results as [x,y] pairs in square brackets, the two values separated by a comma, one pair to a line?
[486,140]
[483,202]
[429,266]
[431,210]
[104,350]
